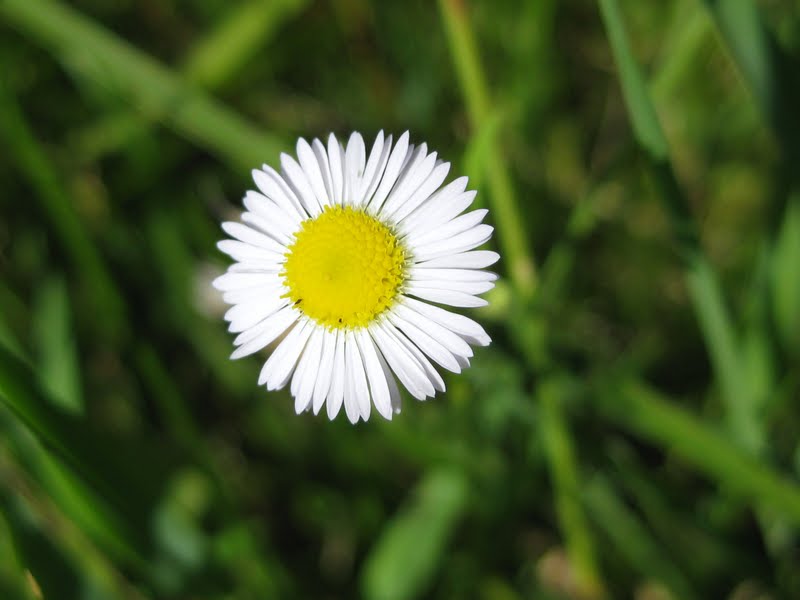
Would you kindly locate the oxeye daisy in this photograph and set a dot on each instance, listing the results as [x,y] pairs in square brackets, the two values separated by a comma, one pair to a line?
[342,257]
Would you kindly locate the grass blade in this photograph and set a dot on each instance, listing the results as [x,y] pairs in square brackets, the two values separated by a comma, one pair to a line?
[152,88]
[658,419]
[405,557]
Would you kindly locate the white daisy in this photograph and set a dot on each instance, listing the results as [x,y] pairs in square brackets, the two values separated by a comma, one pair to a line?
[343,255]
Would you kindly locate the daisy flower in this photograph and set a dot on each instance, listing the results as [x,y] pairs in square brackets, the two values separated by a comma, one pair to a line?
[342,257]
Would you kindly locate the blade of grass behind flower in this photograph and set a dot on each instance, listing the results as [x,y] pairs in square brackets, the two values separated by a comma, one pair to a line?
[68,437]
[140,80]
[58,356]
[210,64]
[660,420]
[405,557]
[785,278]
[36,168]
[58,550]
[704,288]
[631,539]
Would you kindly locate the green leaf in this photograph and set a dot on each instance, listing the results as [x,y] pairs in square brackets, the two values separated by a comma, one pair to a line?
[59,369]
[140,80]
[637,98]
[405,558]
[630,538]
[660,420]
[785,278]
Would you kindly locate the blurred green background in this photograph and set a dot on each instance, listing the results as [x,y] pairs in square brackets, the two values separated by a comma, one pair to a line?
[632,432]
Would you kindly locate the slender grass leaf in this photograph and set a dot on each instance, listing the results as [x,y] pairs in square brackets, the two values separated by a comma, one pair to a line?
[58,356]
[405,557]
[152,88]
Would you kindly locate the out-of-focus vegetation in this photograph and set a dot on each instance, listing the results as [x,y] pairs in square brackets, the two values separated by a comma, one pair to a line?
[633,429]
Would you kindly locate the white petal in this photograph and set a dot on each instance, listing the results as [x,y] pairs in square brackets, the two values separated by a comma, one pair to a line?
[311,167]
[270,210]
[279,230]
[336,393]
[448,230]
[426,343]
[476,259]
[351,407]
[240,281]
[445,275]
[245,315]
[254,331]
[374,169]
[355,367]
[257,267]
[299,375]
[250,236]
[311,355]
[325,374]
[267,290]
[467,240]
[442,206]
[243,252]
[394,391]
[325,169]
[459,299]
[428,187]
[336,161]
[414,367]
[379,388]
[408,371]
[414,175]
[354,164]
[393,166]
[468,287]
[294,175]
[451,341]
[274,187]
[463,326]
[430,372]
[273,326]
[279,366]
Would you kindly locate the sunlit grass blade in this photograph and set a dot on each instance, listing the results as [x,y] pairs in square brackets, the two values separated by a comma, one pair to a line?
[141,81]
[662,422]
[405,557]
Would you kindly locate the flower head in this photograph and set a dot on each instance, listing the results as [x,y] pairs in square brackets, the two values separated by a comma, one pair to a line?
[340,256]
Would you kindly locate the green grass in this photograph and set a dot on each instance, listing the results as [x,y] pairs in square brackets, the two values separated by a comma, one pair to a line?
[634,425]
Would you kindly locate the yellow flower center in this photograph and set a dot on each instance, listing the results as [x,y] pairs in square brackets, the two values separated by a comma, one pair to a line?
[344,268]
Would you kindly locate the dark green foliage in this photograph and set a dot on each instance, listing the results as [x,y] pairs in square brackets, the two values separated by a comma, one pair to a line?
[632,430]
